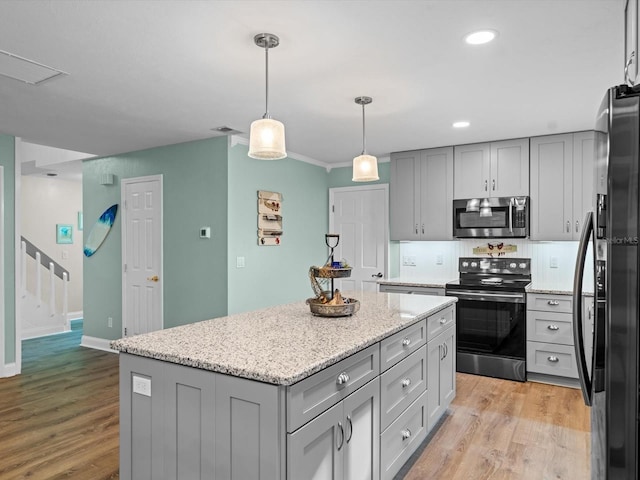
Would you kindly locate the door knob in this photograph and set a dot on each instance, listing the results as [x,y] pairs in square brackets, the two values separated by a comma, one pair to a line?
[154,278]
[378,275]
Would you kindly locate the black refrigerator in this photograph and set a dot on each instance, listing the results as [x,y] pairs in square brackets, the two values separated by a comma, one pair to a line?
[609,370]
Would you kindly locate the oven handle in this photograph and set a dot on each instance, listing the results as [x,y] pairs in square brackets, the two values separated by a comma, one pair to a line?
[496,297]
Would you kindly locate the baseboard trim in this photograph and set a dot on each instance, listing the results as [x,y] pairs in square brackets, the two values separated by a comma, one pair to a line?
[9,370]
[97,343]
[75,315]
[30,333]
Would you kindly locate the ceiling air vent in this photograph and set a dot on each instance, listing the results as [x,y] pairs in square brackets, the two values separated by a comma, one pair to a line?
[226,131]
[24,70]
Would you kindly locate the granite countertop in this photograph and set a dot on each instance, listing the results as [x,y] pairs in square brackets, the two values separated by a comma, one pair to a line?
[553,289]
[414,282]
[283,344]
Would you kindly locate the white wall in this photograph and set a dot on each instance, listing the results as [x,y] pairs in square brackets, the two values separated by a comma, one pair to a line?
[427,255]
[45,203]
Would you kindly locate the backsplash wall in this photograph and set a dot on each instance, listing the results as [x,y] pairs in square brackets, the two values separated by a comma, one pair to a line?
[438,261]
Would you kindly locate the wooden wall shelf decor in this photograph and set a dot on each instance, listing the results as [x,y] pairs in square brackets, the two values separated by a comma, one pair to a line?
[269,218]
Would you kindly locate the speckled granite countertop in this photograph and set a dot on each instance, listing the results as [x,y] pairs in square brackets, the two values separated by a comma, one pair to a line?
[284,344]
[553,289]
[414,282]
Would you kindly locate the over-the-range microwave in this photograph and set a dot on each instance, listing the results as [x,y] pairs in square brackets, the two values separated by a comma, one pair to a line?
[500,217]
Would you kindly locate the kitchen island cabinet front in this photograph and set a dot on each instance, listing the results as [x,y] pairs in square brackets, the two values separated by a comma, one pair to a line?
[310,413]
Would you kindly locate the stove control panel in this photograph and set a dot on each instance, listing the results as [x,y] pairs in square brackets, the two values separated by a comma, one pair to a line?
[506,266]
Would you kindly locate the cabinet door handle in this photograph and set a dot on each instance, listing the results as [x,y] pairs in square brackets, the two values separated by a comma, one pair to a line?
[339,445]
[416,228]
[493,184]
[443,321]
[406,342]
[486,184]
[406,382]
[446,350]
[423,228]
[343,378]
[568,226]
[406,433]
[627,78]
[553,327]
[577,226]
[553,359]
[553,302]
[350,428]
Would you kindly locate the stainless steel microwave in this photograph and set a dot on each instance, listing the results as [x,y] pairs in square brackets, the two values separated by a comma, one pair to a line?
[501,217]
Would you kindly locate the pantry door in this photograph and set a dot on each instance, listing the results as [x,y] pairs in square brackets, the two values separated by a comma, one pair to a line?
[142,281]
[360,215]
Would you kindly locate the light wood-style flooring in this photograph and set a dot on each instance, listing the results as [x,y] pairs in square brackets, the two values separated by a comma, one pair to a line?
[59,419]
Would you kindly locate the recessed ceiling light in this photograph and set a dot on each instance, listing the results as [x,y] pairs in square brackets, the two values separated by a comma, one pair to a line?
[480,37]
[460,124]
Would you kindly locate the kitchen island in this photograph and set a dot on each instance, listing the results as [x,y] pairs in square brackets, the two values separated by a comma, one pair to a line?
[281,394]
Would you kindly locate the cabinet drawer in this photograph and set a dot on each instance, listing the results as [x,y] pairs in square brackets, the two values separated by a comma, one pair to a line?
[551,359]
[403,436]
[550,303]
[401,385]
[313,395]
[402,344]
[549,327]
[411,289]
[439,322]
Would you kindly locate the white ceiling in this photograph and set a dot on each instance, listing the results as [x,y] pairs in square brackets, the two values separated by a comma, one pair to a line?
[150,73]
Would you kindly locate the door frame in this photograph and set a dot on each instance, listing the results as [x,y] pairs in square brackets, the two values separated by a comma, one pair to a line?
[375,186]
[124,182]
[2,273]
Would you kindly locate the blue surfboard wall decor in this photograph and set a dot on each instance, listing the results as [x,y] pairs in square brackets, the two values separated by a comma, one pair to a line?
[100,230]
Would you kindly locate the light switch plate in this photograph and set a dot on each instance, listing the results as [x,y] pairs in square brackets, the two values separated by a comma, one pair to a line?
[553,262]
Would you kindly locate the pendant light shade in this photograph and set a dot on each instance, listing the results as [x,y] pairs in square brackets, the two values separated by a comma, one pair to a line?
[266,138]
[365,167]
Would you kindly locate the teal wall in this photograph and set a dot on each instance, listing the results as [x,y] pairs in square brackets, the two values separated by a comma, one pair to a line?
[274,274]
[194,269]
[7,160]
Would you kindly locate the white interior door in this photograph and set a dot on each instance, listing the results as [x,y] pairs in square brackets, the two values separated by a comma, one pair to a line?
[142,310]
[2,303]
[360,215]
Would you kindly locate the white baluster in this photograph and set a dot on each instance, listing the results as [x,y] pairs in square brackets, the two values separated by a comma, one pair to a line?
[38,280]
[65,300]
[23,269]
[52,290]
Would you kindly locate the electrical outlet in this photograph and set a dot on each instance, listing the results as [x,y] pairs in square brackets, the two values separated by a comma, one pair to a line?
[142,385]
[439,259]
[553,262]
[239,262]
[65,254]
[110,322]
[409,261]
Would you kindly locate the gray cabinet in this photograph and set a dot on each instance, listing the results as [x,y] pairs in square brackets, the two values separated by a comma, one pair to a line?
[421,194]
[561,185]
[441,376]
[496,169]
[341,443]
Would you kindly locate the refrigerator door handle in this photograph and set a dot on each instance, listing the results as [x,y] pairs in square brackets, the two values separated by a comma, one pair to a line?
[578,337]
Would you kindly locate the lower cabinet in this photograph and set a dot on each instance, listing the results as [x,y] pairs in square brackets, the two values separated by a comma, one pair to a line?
[360,418]
[341,443]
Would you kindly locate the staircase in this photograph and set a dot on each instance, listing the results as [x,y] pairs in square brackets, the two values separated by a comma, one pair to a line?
[40,314]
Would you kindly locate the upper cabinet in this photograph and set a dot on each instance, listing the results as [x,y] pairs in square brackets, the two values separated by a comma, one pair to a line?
[561,185]
[496,169]
[421,195]
[631,40]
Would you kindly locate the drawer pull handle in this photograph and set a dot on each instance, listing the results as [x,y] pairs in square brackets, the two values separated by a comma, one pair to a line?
[339,445]
[406,342]
[343,378]
[553,302]
[406,382]
[443,321]
[350,428]
[553,327]
[406,433]
[553,359]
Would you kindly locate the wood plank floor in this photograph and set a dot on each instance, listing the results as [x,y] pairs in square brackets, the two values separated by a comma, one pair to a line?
[59,419]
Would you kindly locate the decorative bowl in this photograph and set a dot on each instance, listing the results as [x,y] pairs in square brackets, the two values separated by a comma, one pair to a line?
[325,310]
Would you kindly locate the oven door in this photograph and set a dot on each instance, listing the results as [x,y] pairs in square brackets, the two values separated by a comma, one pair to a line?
[491,333]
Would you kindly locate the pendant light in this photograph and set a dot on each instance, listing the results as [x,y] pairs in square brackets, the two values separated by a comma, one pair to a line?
[365,167]
[266,139]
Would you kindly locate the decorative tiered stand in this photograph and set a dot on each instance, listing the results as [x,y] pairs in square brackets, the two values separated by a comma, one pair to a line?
[330,303]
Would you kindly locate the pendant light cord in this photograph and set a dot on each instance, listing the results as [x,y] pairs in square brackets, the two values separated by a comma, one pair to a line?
[266,60]
[364,138]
